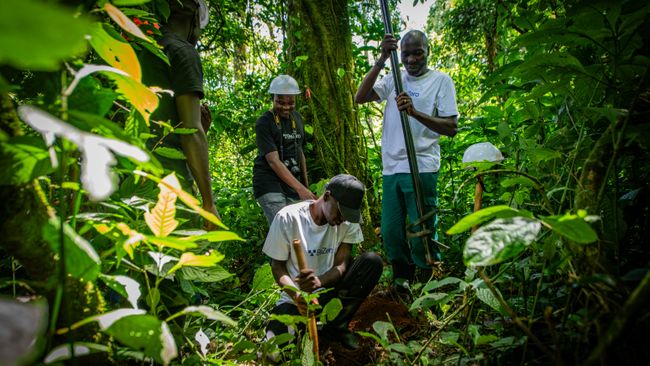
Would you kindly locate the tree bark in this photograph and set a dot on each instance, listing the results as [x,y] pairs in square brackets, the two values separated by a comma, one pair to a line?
[320,30]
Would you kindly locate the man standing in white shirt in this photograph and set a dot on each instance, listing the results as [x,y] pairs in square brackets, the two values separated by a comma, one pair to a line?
[429,98]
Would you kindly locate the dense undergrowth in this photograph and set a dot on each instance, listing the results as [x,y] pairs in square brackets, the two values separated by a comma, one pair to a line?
[103,261]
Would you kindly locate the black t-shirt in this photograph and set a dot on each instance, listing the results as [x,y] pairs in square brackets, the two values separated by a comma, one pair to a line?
[284,138]
[183,75]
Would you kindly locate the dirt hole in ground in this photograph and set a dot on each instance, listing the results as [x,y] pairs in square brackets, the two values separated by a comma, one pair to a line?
[380,306]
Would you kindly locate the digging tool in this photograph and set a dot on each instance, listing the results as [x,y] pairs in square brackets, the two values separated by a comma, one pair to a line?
[311,323]
[426,232]
[483,152]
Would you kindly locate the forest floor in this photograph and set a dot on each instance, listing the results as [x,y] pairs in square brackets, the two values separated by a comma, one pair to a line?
[381,305]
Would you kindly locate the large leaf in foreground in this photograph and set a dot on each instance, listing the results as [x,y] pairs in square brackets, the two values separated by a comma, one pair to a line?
[81,260]
[572,227]
[482,216]
[37,35]
[500,240]
[146,333]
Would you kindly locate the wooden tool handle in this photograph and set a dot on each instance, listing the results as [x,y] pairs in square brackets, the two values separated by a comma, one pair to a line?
[300,254]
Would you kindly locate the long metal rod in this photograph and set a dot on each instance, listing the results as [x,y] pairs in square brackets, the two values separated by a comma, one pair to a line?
[408,138]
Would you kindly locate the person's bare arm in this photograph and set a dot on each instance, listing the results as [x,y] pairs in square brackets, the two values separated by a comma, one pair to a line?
[273,158]
[195,147]
[308,281]
[366,93]
[303,169]
[447,126]
[282,278]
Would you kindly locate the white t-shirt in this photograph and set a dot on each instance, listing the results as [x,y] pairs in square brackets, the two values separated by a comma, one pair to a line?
[319,243]
[432,93]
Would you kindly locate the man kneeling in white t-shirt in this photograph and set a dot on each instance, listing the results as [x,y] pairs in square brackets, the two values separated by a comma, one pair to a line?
[326,228]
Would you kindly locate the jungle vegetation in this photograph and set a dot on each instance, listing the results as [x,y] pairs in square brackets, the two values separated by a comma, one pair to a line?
[103,260]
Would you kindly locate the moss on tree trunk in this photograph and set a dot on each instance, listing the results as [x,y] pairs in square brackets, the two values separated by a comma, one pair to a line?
[320,30]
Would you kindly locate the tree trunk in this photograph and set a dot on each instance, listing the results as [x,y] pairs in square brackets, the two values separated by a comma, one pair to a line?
[320,30]
[23,217]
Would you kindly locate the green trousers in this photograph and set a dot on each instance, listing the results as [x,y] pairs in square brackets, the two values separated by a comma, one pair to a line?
[399,203]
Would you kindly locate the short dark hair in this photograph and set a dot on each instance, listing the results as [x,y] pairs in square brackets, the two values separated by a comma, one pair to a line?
[418,36]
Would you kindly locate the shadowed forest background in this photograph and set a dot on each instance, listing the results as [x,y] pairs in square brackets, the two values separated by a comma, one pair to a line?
[103,260]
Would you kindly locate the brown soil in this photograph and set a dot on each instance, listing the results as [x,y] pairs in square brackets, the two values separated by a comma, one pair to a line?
[380,306]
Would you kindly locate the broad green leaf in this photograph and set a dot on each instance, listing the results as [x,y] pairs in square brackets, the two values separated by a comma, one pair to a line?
[572,227]
[202,274]
[81,260]
[207,312]
[22,159]
[263,278]
[146,333]
[481,216]
[171,242]
[116,52]
[62,352]
[382,328]
[485,295]
[106,320]
[544,63]
[401,348]
[124,22]
[161,220]
[540,154]
[432,285]
[169,153]
[500,240]
[92,98]
[38,35]
[217,236]
[332,309]
[429,300]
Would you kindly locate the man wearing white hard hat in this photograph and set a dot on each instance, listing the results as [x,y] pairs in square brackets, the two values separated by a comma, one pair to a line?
[280,171]
[184,76]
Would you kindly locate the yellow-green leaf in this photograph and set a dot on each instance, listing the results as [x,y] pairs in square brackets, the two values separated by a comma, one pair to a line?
[197,260]
[208,259]
[215,236]
[115,52]
[161,220]
[171,242]
[141,97]
[124,22]
[134,238]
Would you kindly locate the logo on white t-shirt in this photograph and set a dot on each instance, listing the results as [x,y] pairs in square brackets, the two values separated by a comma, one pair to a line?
[320,251]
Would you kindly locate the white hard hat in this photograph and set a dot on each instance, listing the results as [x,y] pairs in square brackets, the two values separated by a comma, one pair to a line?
[204,14]
[284,85]
[482,152]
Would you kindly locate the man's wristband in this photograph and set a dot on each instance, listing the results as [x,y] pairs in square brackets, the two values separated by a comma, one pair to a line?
[380,63]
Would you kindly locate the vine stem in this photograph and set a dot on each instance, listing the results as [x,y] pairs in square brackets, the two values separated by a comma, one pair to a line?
[516,319]
[434,335]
